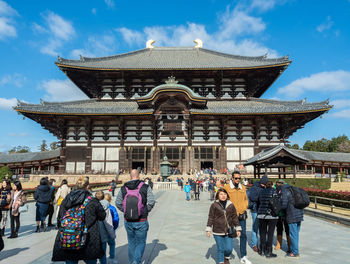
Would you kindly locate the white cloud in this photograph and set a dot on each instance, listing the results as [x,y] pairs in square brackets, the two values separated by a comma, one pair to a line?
[341,114]
[7,104]
[109,3]
[319,82]
[7,28]
[130,36]
[96,46]
[58,32]
[341,103]
[7,10]
[13,79]
[265,5]
[62,90]
[325,25]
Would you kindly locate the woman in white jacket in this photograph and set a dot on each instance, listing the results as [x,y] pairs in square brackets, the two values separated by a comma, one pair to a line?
[61,193]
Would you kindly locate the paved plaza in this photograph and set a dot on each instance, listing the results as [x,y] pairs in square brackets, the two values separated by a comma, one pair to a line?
[177,235]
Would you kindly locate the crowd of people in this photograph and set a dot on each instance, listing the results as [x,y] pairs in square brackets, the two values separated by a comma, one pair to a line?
[271,205]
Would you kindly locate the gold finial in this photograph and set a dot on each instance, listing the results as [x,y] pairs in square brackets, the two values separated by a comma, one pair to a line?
[149,44]
[199,43]
[171,80]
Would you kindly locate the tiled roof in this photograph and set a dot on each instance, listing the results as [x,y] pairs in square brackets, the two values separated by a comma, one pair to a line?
[173,58]
[300,154]
[29,156]
[122,107]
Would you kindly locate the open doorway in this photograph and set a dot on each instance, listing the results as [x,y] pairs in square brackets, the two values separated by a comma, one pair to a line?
[138,165]
[206,165]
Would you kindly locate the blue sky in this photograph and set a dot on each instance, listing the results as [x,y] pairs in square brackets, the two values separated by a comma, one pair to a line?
[315,34]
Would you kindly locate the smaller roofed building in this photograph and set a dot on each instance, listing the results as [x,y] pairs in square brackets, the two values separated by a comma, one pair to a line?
[23,164]
[281,160]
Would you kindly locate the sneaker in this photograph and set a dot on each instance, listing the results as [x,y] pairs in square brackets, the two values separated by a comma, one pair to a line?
[245,260]
[112,261]
[291,255]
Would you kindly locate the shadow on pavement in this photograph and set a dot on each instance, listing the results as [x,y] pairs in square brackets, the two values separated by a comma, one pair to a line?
[151,252]
[212,253]
[11,252]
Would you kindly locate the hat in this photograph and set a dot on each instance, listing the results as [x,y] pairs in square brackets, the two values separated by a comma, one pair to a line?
[264,180]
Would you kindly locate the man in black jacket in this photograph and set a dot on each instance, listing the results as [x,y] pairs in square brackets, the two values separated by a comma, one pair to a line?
[136,228]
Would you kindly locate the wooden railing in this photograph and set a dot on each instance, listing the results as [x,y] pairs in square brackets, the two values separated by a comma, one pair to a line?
[166,186]
[330,202]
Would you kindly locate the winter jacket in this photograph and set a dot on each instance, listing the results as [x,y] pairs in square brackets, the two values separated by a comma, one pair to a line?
[5,198]
[293,215]
[17,201]
[44,194]
[106,226]
[253,196]
[187,188]
[115,216]
[264,210]
[216,219]
[93,213]
[238,196]
[146,194]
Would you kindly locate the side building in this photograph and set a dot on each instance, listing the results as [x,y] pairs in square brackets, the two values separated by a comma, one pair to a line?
[199,107]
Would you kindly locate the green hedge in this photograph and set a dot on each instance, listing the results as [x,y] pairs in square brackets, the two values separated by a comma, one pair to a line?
[323,184]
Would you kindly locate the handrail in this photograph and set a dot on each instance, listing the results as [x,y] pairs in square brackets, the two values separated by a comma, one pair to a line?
[332,206]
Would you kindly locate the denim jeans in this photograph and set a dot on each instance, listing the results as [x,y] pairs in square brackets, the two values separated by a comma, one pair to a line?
[111,244]
[137,235]
[243,239]
[187,196]
[224,245]
[255,228]
[294,230]
[89,261]
[103,260]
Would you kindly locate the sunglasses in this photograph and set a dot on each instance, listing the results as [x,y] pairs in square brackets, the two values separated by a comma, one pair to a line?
[237,178]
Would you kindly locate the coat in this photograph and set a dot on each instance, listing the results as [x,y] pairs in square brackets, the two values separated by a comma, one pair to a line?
[20,200]
[238,196]
[5,198]
[62,192]
[253,196]
[293,215]
[106,226]
[94,212]
[44,194]
[264,202]
[216,219]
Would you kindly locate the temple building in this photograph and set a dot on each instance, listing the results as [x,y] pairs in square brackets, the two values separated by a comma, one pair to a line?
[201,108]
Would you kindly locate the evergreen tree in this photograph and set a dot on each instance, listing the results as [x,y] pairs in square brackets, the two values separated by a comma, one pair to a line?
[43,146]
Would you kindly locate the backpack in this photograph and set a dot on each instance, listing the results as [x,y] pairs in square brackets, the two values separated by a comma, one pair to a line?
[300,198]
[132,204]
[275,205]
[73,230]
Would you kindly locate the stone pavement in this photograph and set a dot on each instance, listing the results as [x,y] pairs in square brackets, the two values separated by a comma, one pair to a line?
[177,236]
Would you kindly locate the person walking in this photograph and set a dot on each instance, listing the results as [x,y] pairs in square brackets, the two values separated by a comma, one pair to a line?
[18,198]
[211,189]
[294,217]
[281,222]
[51,208]
[197,189]
[267,219]
[135,196]
[187,190]
[113,186]
[238,196]
[253,196]
[222,215]
[43,196]
[5,201]
[115,220]
[61,193]
[92,249]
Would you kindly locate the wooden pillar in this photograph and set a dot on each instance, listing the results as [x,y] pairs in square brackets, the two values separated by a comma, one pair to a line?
[323,171]
[295,171]
[284,172]
[62,166]
[279,173]
[254,171]
[22,171]
[259,171]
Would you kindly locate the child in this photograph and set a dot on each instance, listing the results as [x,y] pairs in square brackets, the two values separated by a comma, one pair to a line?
[106,227]
[187,191]
[115,218]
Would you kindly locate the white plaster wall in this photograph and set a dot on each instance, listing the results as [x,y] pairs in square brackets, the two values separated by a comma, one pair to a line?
[112,166]
[97,166]
[98,153]
[232,165]
[232,153]
[80,167]
[70,166]
[247,153]
[112,153]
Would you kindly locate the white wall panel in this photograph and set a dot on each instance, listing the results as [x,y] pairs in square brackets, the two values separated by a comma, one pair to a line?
[232,153]
[80,167]
[247,153]
[112,153]
[70,167]
[98,153]
[97,166]
[112,167]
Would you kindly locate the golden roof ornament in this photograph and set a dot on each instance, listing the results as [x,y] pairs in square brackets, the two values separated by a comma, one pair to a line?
[171,80]
[149,44]
[199,43]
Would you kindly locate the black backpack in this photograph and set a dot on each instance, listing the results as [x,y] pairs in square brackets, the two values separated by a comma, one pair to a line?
[275,205]
[300,198]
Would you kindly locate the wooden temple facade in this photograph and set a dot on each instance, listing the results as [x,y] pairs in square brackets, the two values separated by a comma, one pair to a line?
[200,108]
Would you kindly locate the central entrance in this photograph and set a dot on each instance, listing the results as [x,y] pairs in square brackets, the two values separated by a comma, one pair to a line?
[206,165]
